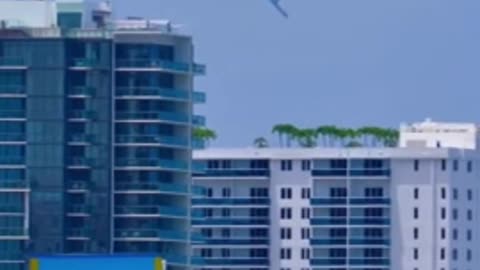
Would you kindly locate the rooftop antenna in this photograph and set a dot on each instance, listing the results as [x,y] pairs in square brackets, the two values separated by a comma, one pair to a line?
[276,4]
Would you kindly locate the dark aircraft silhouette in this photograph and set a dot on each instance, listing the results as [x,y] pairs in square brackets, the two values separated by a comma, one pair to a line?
[276,4]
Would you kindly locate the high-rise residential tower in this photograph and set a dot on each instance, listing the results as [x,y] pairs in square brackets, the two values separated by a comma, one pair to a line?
[96,118]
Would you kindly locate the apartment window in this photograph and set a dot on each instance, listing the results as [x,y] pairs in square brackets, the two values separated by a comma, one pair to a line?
[285,253]
[373,192]
[259,212]
[338,192]
[415,213]
[416,193]
[455,214]
[206,253]
[415,233]
[443,233]
[305,233]
[306,165]
[469,254]
[454,254]
[213,164]
[259,192]
[455,194]
[416,165]
[305,254]
[258,253]
[305,213]
[226,192]
[469,195]
[226,164]
[469,235]
[286,193]
[286,165]
[373,212]
[206,232]
[209,192]
[443,213]
[415,253]
[443,193]
[305,193]
[338,212]
[208,212]
[226,212]
[455,165]
[469,166]
[442,254]
[286,213]
[455,234]
[444,164]
[285,233]
[469,215]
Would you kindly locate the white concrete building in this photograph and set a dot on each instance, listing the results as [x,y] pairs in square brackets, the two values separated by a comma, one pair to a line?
[440,134]
[299,209]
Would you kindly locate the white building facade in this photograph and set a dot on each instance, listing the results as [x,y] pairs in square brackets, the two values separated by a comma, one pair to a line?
[299,209]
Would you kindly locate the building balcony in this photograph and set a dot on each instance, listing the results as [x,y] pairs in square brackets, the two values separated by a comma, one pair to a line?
[199,120]
[236,261]
[328,261]
[328,221]
[369,201]
[350,201]
[12,161]
[352,242]
[86,63]
[328,201]
[123,234]
[151,187]
[157,163]
[152,116]
[153,92]
[82,91]
[236,241]
[199,97]
[82,114]
[12,256]
[230,201]
[263,173]
[81,138]
[152,139]
[167,65]
[12,209]
[370,261]
[16,114]
[370,221]
[13,232]
[13,184]
[12,62]
[352,172]
[350,221]
[12,137]
[12,89]
[232,221]
[151,211]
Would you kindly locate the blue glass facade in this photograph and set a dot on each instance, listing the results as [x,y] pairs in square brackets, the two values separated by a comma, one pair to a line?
[95,145]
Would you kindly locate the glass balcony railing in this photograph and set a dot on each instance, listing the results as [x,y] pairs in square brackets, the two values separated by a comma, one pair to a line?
[354,242]
[199,97]
[152,115]
[351,172]
[153,91]
[152,186]
[144,162]
[239,261]
[85,62]
[12,62]
[233,241]
[234,173]
[370,261]
[151,210]
[199,191]
[328,261]
[351,201]
[13,232]
[328,221]
[13,184]
[199,120]
[152,139]
[161,64]
[351,221]
[12,208]
[370,221]
[11,89]
[231,201]
[12,113]
[82,91]
[12,137]
[231,221]
[151,233]
[12,160]
[78,209]
[81,114]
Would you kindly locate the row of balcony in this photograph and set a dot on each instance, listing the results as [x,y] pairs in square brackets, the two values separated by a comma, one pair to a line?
[235,261]
[230,201]
[352,172]
[232,221]
[236,241]
[350,221]
[354,201]
[160,234]
[343,241]
[161,64]
[13,184]
[151,91]
[263,173]
[352,261]
[138,210]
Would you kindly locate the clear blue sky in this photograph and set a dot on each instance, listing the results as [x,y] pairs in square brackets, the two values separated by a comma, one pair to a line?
[343,62]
